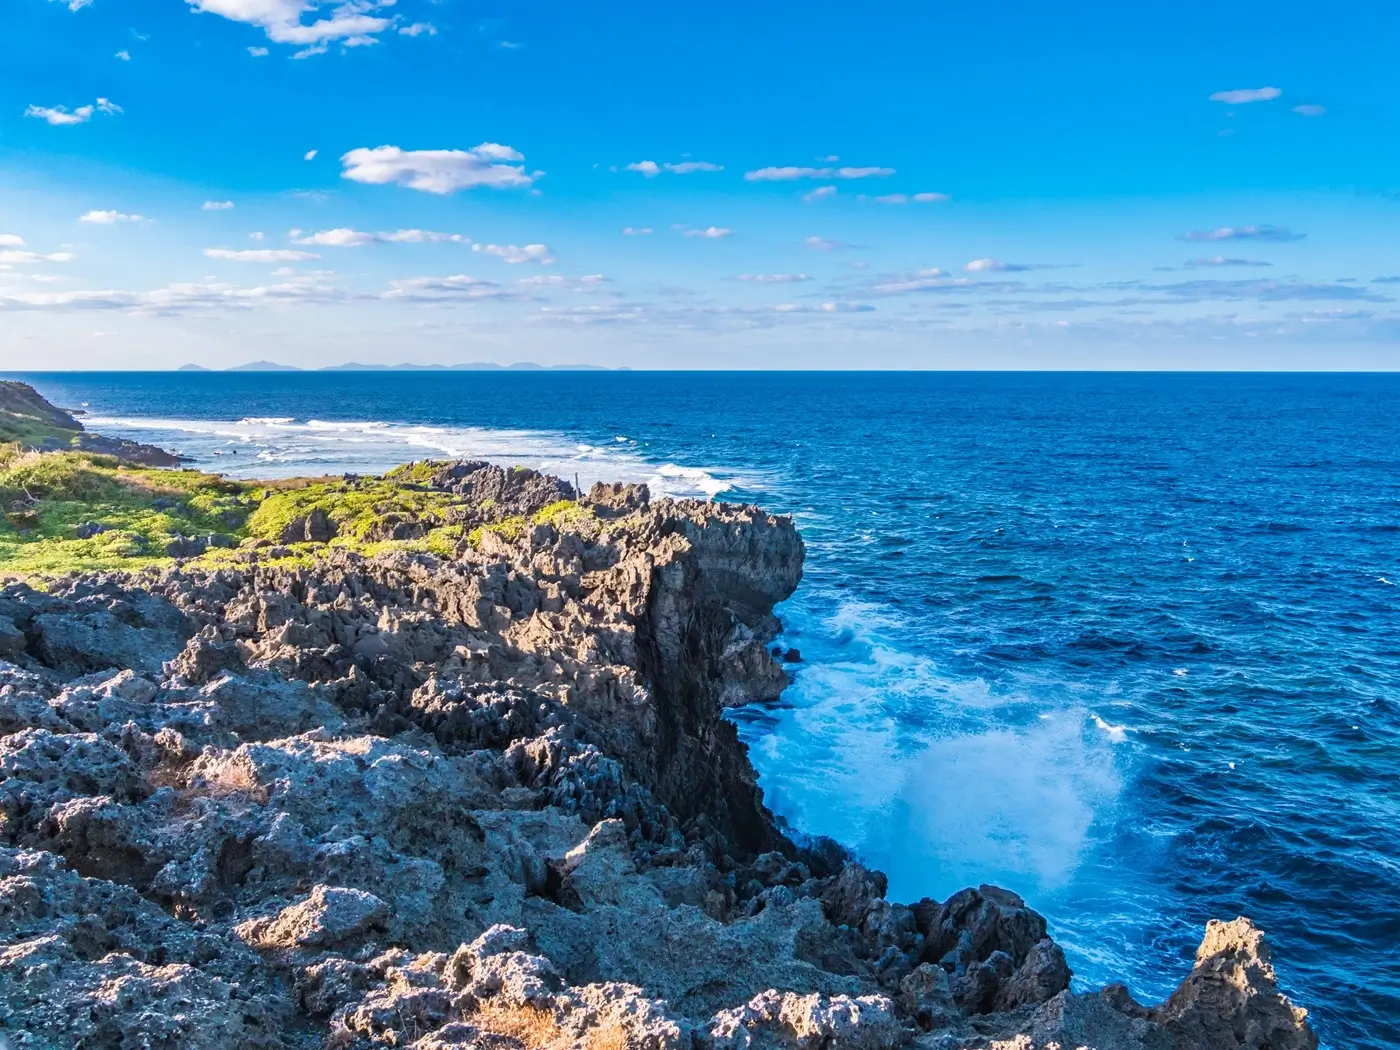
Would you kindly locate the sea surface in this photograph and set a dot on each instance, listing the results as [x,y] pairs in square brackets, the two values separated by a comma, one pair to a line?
[1128,644]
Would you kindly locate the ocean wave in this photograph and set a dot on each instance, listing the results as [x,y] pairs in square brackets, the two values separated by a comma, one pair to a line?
[281,446]
[940,781]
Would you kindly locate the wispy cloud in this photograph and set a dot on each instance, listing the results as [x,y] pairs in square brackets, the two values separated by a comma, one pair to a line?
[773,278]
[349,22]
[259,255]
[1241,96]
[1308,109]
[1001,266]
[258,52]
[820,193]
[911,198]
[310,154]
[1245,233]
[1221,260]
[344,237]
[12,256]
[108,218]
[511,253]
[75,5]
[635,231]
[790,173]
[651,169]
[61,116]
[440,170]
[709,232]
[216,206]
[446,289]
[418,29]
[123,55]
[822,244]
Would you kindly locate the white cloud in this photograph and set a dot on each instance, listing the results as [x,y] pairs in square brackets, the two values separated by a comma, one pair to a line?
[256,236]
[1309,110]
[821,244]
[339,238]
[76,5]
[33,257]
[259,255]
[911,198]
[773,278]
[11,240]
[310,154]
[107,218]
[258,52]
[418,29]
[445,289]
[124,55]
[282,21]
[185,297]
[61,116]
[710,232]
[1240,96]
[790,173]
[217,205]
[437,171]
[651,169]
[1221,260]
[999,266]
[511,253]
[422,237]
[635,231]
[347,238]
[820,193]
[1245,233]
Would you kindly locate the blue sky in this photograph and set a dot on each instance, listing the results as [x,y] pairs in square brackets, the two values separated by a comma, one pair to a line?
[904,185]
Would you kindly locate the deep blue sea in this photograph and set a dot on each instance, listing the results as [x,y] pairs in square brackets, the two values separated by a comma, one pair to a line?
[1128,644]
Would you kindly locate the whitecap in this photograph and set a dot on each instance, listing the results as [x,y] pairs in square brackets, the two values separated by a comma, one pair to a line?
[1118,734]
[283,447]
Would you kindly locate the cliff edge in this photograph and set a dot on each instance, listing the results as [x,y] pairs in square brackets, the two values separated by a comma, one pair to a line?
[307,792]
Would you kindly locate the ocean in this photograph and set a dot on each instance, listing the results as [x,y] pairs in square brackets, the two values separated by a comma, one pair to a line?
[1128,644]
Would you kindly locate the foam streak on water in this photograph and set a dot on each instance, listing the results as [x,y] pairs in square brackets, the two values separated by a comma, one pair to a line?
[283,446]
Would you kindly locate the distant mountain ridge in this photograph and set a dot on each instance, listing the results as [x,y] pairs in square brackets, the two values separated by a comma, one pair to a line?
[352,366]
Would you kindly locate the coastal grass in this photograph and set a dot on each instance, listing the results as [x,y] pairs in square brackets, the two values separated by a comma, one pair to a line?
[64,512]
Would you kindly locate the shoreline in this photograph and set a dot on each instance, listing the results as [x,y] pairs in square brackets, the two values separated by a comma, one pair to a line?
[564,686]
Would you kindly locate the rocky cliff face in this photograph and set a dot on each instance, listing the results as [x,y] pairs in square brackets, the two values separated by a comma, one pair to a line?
[27,419]
[487,800]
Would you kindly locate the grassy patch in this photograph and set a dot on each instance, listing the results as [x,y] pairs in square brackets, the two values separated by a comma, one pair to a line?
[78,511]
[361,510]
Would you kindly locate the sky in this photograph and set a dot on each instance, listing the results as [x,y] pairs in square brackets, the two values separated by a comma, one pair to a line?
[902,185]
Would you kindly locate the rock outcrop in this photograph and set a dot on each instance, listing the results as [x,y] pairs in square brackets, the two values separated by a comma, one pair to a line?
[487,800]
[26,418]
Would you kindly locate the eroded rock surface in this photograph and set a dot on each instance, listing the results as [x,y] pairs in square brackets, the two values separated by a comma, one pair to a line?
[484,801]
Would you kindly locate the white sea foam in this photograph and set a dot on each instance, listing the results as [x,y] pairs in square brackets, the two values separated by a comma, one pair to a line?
[281,446]
[1118,734]
[938,781]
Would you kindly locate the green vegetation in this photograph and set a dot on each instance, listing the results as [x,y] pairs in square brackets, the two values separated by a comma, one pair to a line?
[80,511]
[361,511]
[74,511]
[28,420]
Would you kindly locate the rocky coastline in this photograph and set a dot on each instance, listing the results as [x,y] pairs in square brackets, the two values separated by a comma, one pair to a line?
[303,795]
